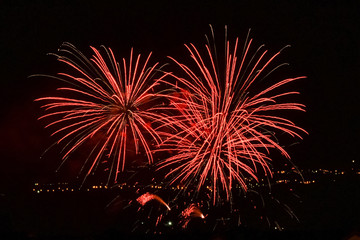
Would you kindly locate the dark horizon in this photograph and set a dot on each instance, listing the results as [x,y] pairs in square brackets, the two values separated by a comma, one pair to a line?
[324,38]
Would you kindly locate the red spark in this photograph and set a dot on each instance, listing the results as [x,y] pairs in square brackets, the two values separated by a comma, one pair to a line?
[190,212]
[146,197]
[108,99]
[225,126]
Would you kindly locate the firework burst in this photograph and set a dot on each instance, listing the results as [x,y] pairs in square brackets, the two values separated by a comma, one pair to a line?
[110,104]
[146,197]
[225,126]
[190,212]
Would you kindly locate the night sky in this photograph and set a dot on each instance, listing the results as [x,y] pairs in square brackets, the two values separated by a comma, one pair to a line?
[324,36]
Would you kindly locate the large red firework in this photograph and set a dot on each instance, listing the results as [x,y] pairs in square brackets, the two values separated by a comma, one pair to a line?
[108,103]
[225,125]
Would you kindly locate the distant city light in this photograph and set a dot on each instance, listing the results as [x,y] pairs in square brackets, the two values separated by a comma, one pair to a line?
[280,177]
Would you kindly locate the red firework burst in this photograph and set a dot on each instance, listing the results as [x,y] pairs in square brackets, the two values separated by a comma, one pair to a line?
[225,126]
[110,104]
[146,197]
[190,212]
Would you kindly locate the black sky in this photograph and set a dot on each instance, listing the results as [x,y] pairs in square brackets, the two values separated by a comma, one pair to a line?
[324,36]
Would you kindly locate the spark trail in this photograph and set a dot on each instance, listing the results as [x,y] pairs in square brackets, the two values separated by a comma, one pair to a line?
[226,123]
[108,103]
[146,197]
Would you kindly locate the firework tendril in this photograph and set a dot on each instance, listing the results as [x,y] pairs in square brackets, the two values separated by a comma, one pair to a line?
[109,102]
[226,126]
